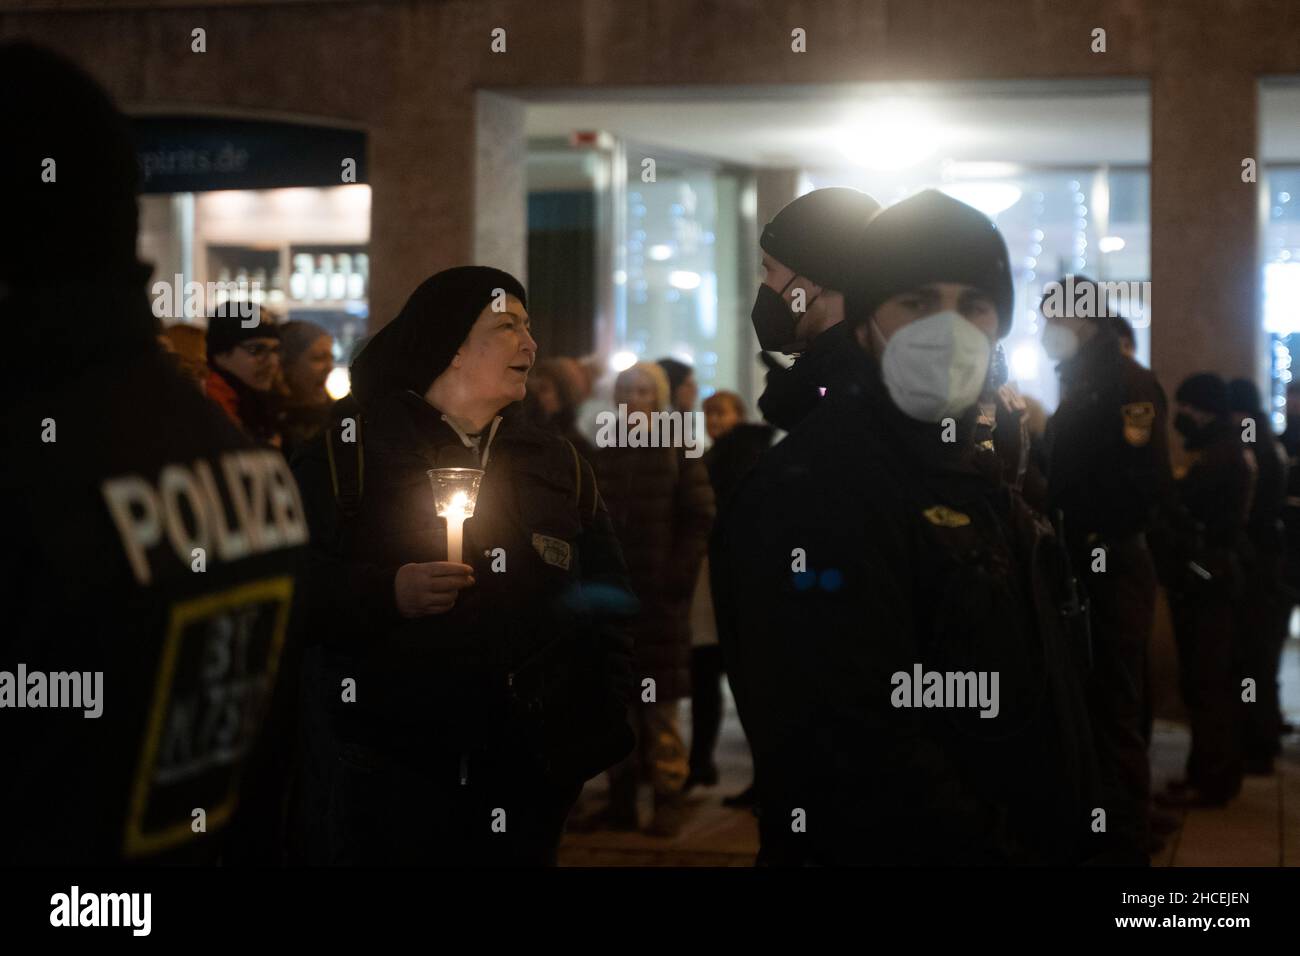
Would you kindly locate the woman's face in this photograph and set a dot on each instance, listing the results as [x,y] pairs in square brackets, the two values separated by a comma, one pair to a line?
[720,417]
[636,390]
[497,354]
[306,376]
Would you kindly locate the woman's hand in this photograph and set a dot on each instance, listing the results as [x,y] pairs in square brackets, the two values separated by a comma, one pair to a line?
[430,587]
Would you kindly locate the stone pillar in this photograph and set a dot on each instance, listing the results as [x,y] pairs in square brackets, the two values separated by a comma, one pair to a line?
[776,187]
[1204,224]
[422,202]
[500,185]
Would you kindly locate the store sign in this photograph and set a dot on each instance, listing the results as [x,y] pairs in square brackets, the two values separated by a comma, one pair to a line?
[199,153]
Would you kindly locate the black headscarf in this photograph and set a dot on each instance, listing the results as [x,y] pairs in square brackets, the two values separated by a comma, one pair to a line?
[411,351]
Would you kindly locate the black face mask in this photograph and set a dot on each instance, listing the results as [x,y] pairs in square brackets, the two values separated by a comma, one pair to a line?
[773,320]
[1188,427]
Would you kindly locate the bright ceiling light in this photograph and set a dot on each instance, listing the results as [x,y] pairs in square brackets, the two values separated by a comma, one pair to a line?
[684,280]
[1110,244]
[660,252]
[988,198]
[961,170]
[890,136]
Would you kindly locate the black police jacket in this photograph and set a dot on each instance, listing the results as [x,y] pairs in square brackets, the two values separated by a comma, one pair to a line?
[1109,467]
[533,658]
[148,542]
[1209,520]
[914,558]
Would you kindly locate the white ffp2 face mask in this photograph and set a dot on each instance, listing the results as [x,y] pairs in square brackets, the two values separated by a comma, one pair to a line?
[1059,343]
[935,367]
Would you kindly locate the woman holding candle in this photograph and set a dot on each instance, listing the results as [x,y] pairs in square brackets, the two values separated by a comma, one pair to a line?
[478,693]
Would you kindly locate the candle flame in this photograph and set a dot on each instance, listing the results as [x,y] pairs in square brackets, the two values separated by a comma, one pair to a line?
[457,506]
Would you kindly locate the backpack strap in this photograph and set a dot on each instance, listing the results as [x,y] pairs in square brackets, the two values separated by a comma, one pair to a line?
[347,466]
[586,494]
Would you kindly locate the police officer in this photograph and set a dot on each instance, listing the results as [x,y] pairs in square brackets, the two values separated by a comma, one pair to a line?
[1263,612]
[485,690]
[1108,470]
[807,264]
[871,556]
[149,562]
[1213,504]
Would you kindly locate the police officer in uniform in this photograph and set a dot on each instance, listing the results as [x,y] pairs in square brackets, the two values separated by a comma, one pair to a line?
[807,264]
[1108,470]
[149,562]
[1205,581]
[869,549]
[808,260]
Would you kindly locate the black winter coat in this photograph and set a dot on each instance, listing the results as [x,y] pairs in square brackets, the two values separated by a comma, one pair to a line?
[531,659]
[913,557]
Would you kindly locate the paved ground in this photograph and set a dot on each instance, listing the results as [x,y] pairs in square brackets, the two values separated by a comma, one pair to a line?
[1260,828]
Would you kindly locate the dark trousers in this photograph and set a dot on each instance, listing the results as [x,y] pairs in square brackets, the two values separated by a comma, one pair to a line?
[706,706]
[1263,616]
[385,812]
[1123,601]
[1208,671]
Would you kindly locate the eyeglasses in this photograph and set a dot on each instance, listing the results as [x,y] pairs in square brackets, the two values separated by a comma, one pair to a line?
[259,350]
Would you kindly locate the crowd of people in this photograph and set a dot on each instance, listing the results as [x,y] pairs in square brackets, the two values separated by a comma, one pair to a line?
[932,606]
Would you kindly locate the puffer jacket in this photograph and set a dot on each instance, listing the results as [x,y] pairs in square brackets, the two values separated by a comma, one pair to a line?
[661,505]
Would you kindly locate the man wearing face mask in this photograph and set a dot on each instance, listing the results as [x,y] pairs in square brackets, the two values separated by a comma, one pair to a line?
[893,554]
[808,258]
[807,263]
[1108,470]
[1214,500]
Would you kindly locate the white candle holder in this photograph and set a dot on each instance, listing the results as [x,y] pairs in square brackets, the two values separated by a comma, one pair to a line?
[455,493]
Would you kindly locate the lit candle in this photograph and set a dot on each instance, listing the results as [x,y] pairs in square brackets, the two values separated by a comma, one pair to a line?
[455,493]
[456,516]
